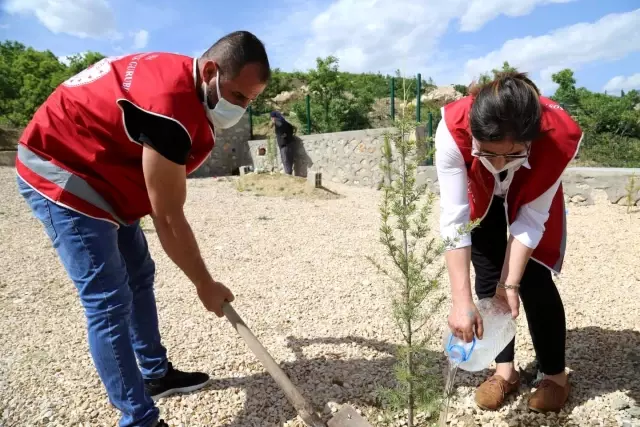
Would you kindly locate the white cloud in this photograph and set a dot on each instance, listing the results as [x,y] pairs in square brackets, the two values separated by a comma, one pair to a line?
[140,39]
[612,37]
[383,35]
[479,12]
[378,34]
[80,18]
[282,32]
[4,26]
[623,83]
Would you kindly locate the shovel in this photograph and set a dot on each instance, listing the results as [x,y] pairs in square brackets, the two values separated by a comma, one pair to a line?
[345,417]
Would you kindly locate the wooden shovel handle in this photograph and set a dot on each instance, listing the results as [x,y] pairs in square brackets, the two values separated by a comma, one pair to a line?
[304,408]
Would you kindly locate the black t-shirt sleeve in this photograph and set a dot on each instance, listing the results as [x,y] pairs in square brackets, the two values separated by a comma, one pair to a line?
[163,134]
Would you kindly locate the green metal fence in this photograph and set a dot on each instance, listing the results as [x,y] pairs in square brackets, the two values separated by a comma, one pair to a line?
[597,149]
[429,118]
[307,121]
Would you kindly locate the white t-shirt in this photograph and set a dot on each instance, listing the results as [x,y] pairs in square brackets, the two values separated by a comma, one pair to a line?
[528,226]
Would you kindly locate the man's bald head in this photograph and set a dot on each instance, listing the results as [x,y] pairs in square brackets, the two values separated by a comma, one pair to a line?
[236,50]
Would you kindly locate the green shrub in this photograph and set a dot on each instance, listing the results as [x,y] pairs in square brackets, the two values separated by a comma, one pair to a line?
[610,150]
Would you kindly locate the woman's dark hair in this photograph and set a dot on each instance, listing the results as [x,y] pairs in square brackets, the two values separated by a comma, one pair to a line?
[506,108]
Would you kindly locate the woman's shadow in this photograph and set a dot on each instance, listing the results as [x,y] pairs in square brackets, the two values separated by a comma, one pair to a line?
[602,361]
[301,160]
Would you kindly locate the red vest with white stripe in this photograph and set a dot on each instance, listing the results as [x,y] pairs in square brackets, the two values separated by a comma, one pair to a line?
[550,155]
[76,150]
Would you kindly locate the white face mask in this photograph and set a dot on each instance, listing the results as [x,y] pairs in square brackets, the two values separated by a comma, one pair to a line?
[509,165]
[225,114]
[516,163]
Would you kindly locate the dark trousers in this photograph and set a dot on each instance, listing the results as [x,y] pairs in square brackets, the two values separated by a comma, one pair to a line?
[539,295]
[286,153]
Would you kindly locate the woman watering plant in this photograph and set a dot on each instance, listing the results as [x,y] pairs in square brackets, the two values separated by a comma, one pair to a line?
[500,155]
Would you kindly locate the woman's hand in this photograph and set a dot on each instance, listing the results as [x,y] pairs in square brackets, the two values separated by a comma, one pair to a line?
[465,321]
[511,299]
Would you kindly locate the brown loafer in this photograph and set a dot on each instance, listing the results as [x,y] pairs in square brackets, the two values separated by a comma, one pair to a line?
[492,393]
[549,397]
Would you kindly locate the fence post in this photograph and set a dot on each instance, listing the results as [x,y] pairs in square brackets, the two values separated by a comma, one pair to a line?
[250,122]
[308,98]
[393,98]
[418,93]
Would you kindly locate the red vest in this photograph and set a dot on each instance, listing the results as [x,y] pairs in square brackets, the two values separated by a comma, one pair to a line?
[76,151]
[550,155]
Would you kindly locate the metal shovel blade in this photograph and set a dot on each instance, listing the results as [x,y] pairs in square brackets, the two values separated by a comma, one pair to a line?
[347,417]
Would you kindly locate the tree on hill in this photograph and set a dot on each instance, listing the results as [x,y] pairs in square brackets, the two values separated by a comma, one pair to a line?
[280,82]
[80,62]
[28,76]
[506,68]
[611,124]
[334,106]
[325,83]
[484,79]
[566,93]
[464,90]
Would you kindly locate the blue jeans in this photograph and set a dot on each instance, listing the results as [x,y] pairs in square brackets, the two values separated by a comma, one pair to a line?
[113,273]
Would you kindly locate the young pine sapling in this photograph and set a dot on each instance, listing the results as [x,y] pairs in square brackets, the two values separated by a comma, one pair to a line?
[415,268]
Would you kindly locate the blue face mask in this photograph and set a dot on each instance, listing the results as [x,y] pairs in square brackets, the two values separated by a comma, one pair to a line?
[225,114]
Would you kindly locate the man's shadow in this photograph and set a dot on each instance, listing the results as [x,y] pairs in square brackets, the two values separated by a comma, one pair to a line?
[328,377]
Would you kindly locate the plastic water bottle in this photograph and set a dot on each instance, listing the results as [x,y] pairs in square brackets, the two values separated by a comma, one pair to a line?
[499,330]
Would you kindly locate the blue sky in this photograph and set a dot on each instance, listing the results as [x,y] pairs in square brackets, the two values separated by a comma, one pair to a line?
[452,41]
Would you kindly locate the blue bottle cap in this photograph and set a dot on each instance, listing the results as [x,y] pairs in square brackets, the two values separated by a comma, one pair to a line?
[458,353]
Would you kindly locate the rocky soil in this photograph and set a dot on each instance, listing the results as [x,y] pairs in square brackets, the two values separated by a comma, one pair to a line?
[302,283]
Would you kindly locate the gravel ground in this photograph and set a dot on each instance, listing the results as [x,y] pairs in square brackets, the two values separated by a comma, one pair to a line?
[302,284]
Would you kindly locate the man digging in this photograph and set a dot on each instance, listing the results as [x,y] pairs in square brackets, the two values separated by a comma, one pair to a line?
[111,145]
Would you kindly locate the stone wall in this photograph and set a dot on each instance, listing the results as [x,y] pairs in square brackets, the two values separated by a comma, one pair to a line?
[344,157]
[230,152]
[8,158]
[353,158]
[580,184]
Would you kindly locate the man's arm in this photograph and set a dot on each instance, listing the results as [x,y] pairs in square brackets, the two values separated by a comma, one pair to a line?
[166,146]
[167,187]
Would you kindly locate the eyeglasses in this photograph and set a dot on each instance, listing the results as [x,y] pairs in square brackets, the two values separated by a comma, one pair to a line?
[487,154]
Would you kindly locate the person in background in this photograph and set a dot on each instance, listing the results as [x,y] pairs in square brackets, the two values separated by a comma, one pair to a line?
[500,155]
[284,135]
[111,145]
